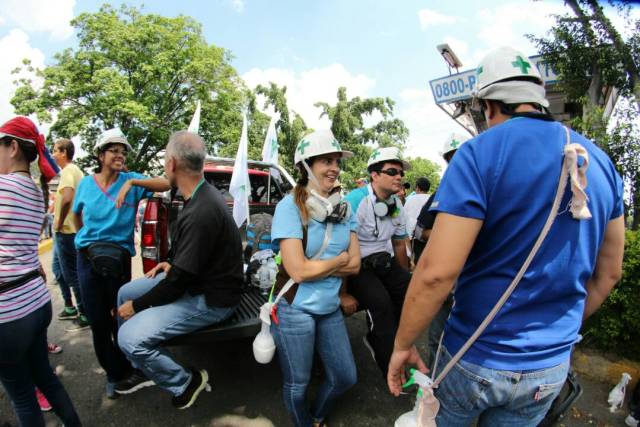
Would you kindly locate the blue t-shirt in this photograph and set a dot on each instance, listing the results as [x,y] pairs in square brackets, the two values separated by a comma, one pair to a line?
[315,296]
[508,177]
[102,222]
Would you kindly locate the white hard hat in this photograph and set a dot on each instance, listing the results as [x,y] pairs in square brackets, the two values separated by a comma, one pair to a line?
[112,136]
[453,142]
[318,143]
[388,154]
[506,63]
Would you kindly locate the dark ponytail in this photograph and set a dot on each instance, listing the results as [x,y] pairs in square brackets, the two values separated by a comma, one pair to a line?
[300,194]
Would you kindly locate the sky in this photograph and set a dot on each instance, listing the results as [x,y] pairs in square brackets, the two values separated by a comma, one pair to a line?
[373,48]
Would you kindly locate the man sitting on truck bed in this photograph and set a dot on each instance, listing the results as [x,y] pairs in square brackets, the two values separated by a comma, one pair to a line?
[200,284]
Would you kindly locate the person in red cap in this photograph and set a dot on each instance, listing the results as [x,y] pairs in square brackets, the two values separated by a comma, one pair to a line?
[25,303]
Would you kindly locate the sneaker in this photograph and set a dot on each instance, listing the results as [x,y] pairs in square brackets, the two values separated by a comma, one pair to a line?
[78,324]
[199,381]
[631,421]
[68,313]
[367,344]
[134,382]
[45,406]
[54,348]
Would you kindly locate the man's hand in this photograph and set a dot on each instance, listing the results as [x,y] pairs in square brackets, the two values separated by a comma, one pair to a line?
[400,358]
[122,194]
[57,226]
[162,267]
[348,303]
[125,311]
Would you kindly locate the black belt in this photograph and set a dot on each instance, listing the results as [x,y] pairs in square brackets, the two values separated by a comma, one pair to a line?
[16,283]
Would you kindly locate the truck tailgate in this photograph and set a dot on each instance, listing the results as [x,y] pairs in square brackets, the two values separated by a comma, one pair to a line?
[244,323]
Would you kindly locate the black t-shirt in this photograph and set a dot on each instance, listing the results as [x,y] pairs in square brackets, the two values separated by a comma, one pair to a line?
[426,218]
[206,254]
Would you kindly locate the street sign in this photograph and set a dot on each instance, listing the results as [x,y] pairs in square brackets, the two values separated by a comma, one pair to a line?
[458,87]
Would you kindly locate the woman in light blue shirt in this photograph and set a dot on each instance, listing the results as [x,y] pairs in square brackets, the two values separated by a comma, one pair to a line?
[312,223]
[105,206]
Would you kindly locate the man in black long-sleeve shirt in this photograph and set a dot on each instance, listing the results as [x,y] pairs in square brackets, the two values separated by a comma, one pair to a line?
[198,286]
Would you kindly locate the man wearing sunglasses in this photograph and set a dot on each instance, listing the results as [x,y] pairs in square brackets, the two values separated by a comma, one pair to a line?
[380,286]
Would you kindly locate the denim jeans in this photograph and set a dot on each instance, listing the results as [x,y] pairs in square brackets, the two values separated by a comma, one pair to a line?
[24,364]
[100,297]
[141,336]
[296,335]
[65,255]
[497,398]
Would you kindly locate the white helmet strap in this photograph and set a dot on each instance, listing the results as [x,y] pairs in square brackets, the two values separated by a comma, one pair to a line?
[312,177]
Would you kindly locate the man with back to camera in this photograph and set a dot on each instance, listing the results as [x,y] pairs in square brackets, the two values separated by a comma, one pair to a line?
[200,285]
[65,233]
[493,201]
[380,286]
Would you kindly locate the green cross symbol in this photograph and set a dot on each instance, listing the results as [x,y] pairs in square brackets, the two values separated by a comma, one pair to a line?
[454,143]
[274,146]
[302,146]
[522,64]
[480,70]
[375,154]
[336,145]
[243,188]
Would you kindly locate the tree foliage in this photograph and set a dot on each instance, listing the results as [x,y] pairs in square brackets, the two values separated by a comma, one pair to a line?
[423,168]
[290,125]
[593,60]
[615,327]
[142,73]
[348,118]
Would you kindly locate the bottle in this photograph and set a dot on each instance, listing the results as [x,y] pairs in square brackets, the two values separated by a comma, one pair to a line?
[273,270]
[426,407]
[263,278]
[264,346]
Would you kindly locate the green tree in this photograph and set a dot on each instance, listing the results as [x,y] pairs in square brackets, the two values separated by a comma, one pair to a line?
[423,168]
[290,126]
[594,61]
[141,72]
[348,125]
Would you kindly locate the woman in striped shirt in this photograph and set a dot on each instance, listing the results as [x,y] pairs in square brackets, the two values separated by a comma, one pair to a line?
[25,304]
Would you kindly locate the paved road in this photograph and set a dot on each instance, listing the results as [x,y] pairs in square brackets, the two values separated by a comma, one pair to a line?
[244,393]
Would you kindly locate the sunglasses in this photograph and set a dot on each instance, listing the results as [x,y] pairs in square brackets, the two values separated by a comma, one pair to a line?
[392,172]
[116,152]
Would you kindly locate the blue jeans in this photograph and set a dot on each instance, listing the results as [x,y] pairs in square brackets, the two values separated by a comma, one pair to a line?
[495,397]
[297,335]
[64,255]
[100,297]
[141,336]
[24,364]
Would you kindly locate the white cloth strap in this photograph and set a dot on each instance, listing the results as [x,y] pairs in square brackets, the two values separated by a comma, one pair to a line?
[579,210]
[325,243]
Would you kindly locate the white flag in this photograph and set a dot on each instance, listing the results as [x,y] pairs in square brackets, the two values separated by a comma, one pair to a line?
[270,147]
[194,126]
[240,185]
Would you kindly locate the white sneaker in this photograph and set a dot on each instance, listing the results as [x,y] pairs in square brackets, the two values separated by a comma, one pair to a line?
[631,421]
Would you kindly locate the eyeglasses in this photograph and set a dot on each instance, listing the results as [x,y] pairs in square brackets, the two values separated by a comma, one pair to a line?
[392,172]
[117,152]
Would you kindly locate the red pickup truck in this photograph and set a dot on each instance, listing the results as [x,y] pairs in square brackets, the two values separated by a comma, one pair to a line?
[269,184]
